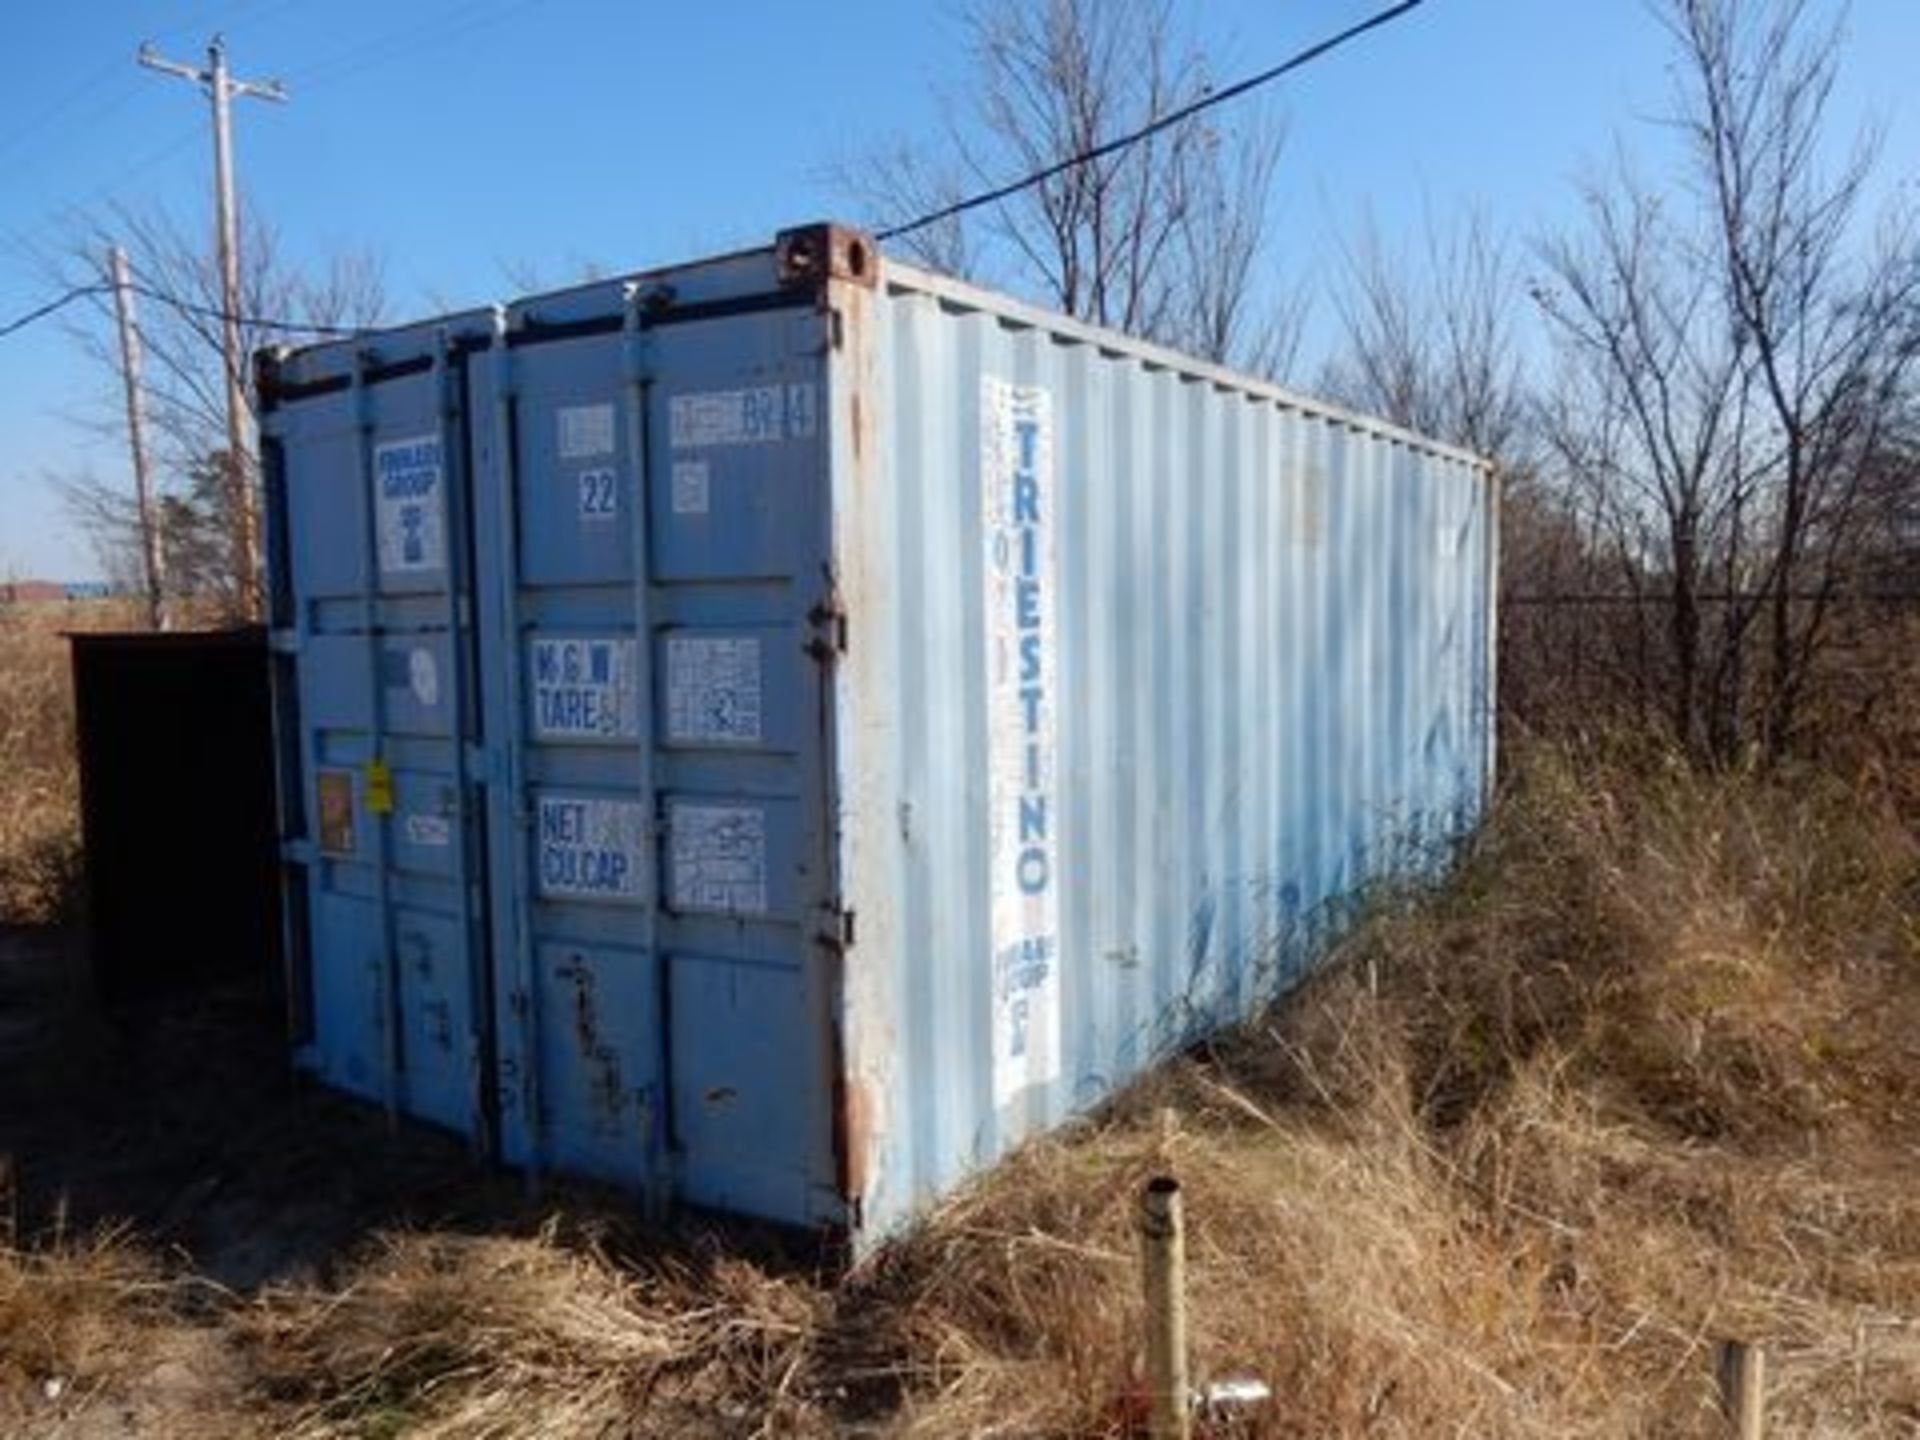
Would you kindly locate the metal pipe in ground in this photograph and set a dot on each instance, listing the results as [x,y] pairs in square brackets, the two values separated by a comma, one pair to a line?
[1163,1253]
[1743,1387]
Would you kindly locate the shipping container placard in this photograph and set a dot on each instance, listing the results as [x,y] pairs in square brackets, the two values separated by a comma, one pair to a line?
[719,858]
[590,848]
[692,483]
[755,415]
[335,789]
[585,432]
[584,688]
[428,831]
[408,505]
[713,689]
[1023,849]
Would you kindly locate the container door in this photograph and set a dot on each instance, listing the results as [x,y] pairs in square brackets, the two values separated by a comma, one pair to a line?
[660,534]
[369,488]
[578,982]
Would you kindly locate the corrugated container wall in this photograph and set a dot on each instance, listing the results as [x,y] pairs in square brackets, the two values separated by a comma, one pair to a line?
[776,732]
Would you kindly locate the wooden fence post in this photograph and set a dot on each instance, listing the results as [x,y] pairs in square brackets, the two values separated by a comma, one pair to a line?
[1164,1263]
[1743,1387]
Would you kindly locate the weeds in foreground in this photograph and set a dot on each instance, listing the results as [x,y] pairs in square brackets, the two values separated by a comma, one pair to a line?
[1645,1073]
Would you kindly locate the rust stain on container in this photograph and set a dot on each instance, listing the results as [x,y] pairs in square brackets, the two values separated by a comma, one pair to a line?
[852,1134]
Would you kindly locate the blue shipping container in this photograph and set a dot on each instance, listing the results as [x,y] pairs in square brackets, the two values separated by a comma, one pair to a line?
[776,732]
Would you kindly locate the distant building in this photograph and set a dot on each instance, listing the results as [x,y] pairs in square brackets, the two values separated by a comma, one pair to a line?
[29,592]
[41,592]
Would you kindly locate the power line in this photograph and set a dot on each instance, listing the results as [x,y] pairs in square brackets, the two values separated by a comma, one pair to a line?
[41,312]
[1206,101]
[184,306]
[255,322]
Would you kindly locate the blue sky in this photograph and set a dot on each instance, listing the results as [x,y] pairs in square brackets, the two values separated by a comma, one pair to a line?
[457,138]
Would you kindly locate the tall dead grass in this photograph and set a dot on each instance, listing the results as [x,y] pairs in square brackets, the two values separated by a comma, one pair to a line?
[1645,1073]
[39,776]
[39,796]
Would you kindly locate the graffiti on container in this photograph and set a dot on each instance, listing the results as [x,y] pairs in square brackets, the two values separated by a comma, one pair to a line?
[407,504]
[1016,476]
[584,688]
[589,847]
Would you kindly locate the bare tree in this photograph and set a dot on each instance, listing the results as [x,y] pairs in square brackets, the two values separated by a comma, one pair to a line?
[1738,350]
[185,375]
[1165,239]
[1648,419]
[1432,343]
[1829,321]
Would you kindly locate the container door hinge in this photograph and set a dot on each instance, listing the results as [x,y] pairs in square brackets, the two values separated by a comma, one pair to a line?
[829,620]
[836,932]
[284,640]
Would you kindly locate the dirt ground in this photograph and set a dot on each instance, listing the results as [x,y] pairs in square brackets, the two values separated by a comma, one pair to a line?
[185,1120]
[181,1123]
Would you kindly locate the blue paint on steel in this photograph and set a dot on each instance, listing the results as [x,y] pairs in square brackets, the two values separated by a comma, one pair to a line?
[378,666]
[1272,633]
[691,881]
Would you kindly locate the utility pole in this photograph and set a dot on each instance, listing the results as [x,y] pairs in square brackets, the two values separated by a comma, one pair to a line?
[221,87]
[137,441]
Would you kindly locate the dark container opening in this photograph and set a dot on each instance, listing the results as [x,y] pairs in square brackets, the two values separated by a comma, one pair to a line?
[175,745]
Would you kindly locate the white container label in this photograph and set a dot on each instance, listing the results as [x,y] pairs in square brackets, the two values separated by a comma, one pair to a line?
[1023,844]
[590,848]
[753,416]
[586,431]
[423,676]
[690,486]
[584,688]
[408,504]
[431,832]
[713,689]
[719,857]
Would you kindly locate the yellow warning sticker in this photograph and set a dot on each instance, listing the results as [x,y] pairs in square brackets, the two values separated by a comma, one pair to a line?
[379,787]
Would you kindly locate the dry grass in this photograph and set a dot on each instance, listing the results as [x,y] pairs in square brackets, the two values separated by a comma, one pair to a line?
[39,782]
[1644,1074]
[39,821]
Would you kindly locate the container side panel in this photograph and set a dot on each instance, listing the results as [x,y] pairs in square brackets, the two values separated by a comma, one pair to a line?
[1246,642]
